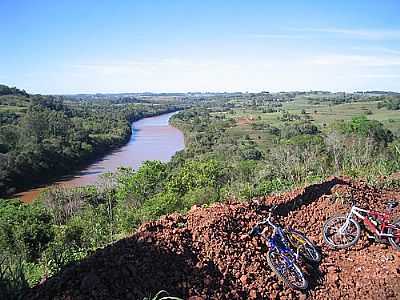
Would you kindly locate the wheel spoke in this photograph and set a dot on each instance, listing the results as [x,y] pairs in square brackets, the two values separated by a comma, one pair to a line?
[295,277]
[338,235]
[311,251]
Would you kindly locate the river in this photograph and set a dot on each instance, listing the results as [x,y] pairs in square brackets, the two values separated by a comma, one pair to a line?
[152,139]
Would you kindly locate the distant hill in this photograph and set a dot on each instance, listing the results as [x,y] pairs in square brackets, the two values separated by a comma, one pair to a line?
[6,90]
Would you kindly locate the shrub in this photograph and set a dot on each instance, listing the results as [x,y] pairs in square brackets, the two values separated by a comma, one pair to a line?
[266,187]
[292,130]
[160,204]
[195,174]
[58,255]
[251,154]
[367,128]
[25,229]
[63,203]
[92,228]
[134,188]
[13,281]
[200,196]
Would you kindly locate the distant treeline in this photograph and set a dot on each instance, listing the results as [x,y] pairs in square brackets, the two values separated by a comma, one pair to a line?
[5,90]
[392,103]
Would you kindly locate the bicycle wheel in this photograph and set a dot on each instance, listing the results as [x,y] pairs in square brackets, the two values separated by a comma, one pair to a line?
[305,247]
[290,273]
[338,237]
[395,241]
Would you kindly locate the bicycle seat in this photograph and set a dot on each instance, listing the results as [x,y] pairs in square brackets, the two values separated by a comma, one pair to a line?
[392,204]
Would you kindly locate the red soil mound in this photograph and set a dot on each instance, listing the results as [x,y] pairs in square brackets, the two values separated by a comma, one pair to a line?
[207,253]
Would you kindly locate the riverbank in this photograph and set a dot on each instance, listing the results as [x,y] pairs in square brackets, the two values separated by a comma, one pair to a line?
[151,138]
[54,137]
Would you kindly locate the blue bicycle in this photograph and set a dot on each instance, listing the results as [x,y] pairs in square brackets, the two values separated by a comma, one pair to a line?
[285,249]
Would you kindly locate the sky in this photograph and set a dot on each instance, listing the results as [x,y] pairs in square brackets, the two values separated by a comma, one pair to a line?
[89,46]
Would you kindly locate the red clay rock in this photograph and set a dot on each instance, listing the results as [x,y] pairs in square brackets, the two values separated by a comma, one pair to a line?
[207,254]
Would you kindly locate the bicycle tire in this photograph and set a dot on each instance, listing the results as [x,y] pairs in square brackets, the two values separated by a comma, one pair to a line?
[304,282]
[340,218]
[395,245]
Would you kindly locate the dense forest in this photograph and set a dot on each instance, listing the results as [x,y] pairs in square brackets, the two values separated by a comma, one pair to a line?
[238,146]
[45,136]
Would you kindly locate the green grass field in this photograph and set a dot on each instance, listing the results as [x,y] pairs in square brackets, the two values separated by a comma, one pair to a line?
[323,115]
[326,114]
[10,108]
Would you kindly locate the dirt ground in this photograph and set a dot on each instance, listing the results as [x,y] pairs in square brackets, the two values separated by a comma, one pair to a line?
[207,254]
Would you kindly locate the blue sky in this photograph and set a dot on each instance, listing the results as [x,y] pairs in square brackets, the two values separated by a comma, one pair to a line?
[135,46]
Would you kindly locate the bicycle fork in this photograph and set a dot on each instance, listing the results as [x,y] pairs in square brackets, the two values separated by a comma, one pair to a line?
[297,255]
[343,228]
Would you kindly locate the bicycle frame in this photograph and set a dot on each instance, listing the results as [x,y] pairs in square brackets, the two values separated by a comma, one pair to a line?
[363,214]
[280,248]
[279,241]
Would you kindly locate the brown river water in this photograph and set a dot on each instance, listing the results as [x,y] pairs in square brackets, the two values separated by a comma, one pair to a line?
[152,139]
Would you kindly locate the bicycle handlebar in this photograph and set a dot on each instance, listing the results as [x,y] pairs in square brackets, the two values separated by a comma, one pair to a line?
[265,221]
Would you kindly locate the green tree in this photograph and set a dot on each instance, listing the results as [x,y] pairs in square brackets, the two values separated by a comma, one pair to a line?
[368,128]
[195,174]
[134,188]
[25,229]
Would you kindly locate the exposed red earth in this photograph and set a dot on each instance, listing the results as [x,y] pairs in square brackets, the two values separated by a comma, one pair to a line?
[207,254]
